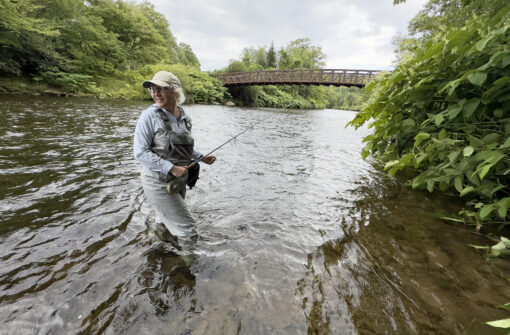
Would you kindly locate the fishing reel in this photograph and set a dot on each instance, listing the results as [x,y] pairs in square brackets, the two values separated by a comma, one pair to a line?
[172,187]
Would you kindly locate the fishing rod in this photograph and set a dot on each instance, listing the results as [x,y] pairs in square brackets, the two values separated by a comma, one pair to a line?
[220,146]
[173,188]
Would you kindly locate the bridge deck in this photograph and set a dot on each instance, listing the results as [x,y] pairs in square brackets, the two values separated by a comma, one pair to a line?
[336,77]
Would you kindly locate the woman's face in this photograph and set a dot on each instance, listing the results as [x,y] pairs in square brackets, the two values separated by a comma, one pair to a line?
[164,97]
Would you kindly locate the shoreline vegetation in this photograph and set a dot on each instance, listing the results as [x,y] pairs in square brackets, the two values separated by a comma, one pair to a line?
[106,48]
[443,114]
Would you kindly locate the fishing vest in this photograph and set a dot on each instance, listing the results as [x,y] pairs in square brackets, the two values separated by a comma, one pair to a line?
[174,143]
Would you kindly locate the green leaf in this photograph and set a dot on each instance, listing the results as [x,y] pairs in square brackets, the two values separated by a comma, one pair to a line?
[430,185]
[457,37]
[506,61]
[497,188]
[499,87]
[480,45]
[408,123]
[393,171]
[479,247]
[506,144]
[467,190]
[469,107]
[503,81]
[420,138]
[365,154]
[500,249]
[477,78]
[451,172]
[441,135]
[502,212]
[391,164]
[420,158]
[458,183]
[431,51]
[486,210]
[503,205]
[492,156]
[453,111]
[505,306]
[490,138]
[474,141]
[468,151]
[438,119]
[483,172]
[453,156]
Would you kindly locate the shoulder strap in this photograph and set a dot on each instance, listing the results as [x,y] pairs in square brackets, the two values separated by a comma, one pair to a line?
[163,116]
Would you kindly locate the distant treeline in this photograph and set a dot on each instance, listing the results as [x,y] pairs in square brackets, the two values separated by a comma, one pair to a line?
[298,54]
[107,48]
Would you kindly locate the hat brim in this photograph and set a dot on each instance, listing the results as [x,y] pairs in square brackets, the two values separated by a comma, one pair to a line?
[160,83]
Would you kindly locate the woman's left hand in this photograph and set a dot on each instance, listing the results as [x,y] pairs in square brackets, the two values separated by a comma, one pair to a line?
[209,159]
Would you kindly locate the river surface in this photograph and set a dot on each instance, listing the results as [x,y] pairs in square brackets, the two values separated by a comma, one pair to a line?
[298,235]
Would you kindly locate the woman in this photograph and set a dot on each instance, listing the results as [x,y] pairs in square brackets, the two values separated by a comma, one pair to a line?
[164,146]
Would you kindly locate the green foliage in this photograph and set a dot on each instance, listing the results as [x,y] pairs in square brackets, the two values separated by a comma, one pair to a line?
[95,47]
[186,55]
[502,248]
[301,54]
[271,60]
[199,87]
[441,15]
[23,36]
[71,82]
[504,323]
[444,113]
[290,96]
[347,98]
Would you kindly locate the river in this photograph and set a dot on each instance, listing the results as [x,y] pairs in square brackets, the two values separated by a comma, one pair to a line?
[298,235]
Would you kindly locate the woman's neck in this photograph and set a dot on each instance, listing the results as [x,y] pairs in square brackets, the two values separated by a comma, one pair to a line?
[176,112]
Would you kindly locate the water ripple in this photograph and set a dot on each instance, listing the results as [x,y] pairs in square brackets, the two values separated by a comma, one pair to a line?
[297,233]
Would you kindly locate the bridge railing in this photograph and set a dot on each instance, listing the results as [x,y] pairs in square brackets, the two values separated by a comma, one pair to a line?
[306,76]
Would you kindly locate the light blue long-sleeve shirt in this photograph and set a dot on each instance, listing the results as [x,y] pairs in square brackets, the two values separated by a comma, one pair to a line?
[148,123]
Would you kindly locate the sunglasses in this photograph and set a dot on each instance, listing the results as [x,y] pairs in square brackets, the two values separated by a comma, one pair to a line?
[157,89]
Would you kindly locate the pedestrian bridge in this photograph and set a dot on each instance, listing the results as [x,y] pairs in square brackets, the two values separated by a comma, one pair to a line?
[335,77]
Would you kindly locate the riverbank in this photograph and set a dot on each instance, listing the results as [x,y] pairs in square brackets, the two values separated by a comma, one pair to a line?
[199,87]
[267,97]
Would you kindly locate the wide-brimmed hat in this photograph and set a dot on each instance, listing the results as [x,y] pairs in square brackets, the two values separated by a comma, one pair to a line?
[163,79]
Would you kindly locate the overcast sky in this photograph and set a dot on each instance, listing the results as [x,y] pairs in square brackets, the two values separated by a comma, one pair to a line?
[354,34]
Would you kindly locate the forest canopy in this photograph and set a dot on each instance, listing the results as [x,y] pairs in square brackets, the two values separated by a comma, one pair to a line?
[90,46]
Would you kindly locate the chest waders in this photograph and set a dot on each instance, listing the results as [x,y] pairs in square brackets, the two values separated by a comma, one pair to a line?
[173,143]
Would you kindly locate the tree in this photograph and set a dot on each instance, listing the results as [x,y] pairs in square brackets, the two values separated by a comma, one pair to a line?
[187,56]
[24,37]
[271,61]
[301,54]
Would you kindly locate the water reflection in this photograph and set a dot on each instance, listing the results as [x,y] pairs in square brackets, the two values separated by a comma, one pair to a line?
[399,269]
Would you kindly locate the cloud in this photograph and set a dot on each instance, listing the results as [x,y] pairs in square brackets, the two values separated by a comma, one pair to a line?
[352,34]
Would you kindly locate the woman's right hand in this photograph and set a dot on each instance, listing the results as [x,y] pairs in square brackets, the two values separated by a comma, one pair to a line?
[178,171]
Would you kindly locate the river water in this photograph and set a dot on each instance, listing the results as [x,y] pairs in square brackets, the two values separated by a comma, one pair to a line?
[298,235]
